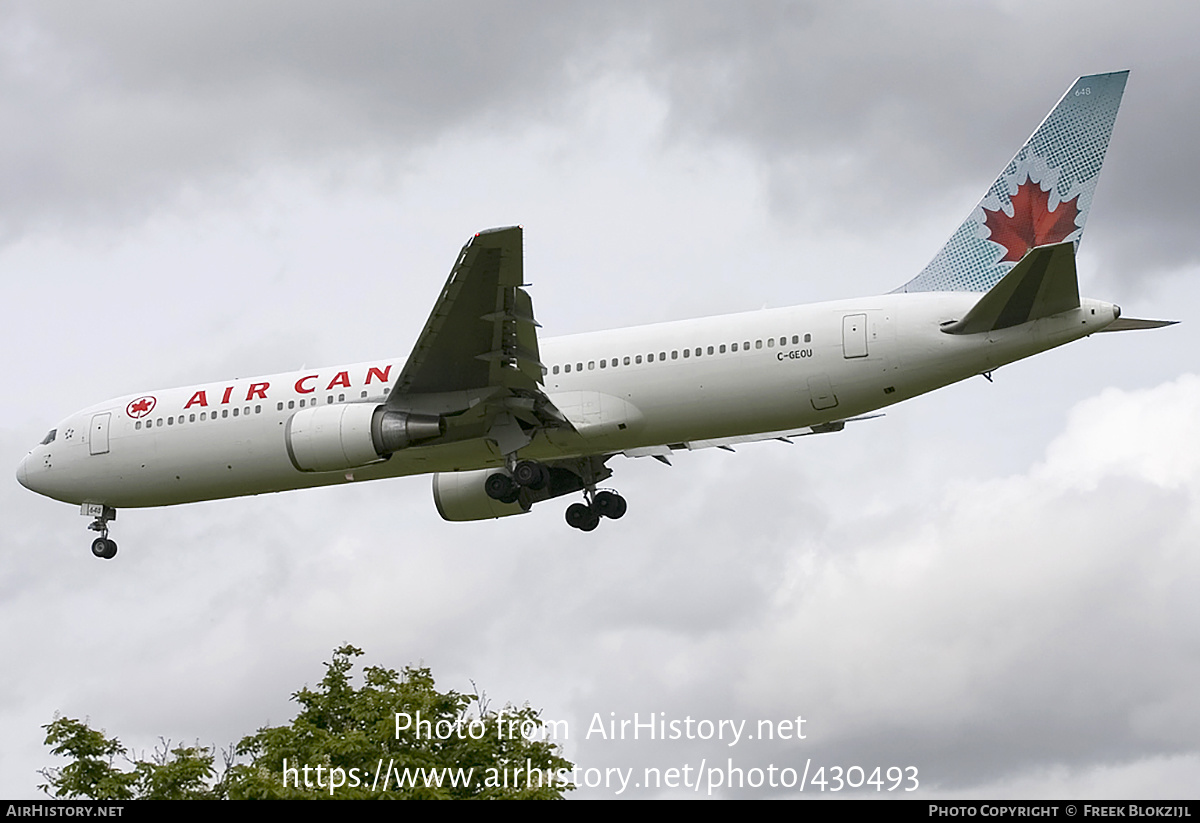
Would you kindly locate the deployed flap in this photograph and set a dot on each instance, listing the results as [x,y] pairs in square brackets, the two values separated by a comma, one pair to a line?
[728,442]
[1042,284]
[481,333]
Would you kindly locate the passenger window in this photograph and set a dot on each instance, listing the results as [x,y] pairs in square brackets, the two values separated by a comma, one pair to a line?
[567,368]
[555,369]
[758,344]
[710,349]
[191,418]
[235,414]
[342,398]
[735,346]
[650,357]
[770,342]
[687,352]
[627,361]
[638,360]
[808,338]
[603,363]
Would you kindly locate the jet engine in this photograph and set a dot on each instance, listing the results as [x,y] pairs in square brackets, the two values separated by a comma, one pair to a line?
[349,435]
[463,495]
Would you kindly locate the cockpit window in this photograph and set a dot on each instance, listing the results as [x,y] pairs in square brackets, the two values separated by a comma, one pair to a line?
[49,438]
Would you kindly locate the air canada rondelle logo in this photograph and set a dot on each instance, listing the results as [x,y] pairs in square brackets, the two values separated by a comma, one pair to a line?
[140,407]
[1032,223]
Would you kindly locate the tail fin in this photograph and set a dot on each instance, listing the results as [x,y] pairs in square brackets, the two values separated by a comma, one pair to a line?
[1042,197]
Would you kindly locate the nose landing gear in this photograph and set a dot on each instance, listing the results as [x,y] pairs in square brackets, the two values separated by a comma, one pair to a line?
[102,546]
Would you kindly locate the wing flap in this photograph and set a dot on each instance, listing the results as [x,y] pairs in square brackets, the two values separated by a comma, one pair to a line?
[727,443]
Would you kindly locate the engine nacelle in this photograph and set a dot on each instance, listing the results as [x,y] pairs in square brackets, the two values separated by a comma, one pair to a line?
[349,435]
[461,495]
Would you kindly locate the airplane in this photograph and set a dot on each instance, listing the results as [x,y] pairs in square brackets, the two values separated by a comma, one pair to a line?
[504,420]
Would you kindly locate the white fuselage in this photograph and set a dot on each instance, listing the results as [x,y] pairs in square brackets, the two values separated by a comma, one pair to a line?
[625,390]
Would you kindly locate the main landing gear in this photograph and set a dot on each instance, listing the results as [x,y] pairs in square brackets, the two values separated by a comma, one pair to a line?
[526,474]
[102,546]
[528,482]
[586,516]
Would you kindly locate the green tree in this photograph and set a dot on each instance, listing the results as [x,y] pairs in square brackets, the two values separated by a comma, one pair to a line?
[399,737]
[91,772]
[395,737]
[182,773]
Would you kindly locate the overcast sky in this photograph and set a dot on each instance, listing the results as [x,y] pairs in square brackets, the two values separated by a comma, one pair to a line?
[994,583]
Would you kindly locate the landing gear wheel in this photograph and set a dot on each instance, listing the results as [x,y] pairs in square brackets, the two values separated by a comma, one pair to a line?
[104,548]
[499,487]
[531,475]
[610,505]
[580,516]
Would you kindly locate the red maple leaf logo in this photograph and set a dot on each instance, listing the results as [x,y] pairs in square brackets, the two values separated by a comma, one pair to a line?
[140,407]
[1032,223]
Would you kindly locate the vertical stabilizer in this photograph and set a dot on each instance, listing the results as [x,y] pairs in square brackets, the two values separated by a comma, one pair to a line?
[1042,197]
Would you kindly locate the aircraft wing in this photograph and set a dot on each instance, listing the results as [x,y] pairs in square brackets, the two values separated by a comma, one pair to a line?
[727,443]
[476,360]
[481,332]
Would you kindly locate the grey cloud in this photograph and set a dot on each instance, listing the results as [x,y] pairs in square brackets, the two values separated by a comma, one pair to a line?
[857,113]
[866,113]
[122,106]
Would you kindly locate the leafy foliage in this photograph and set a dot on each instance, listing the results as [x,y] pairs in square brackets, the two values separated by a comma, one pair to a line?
[182,773]
[396,737]
[358,739]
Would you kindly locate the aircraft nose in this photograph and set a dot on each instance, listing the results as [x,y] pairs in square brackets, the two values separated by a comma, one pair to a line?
[22,476]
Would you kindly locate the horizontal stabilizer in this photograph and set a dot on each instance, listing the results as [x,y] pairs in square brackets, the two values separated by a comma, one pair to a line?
[1133,324]
[1042,284]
